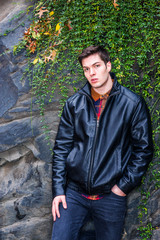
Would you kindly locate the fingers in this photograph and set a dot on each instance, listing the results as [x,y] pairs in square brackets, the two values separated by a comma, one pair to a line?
[64,202]
[55,206]
[53,212]
[115,189]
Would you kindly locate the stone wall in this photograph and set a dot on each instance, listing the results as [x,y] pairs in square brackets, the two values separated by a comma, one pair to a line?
[25,157]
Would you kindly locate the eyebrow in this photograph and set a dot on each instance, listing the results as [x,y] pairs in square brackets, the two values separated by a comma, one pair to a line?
[92,64]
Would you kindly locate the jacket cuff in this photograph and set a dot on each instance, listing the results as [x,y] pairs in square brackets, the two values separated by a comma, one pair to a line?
[57,191]
[124,186]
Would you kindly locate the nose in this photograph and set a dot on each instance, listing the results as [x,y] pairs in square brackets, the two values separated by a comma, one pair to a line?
[92,71]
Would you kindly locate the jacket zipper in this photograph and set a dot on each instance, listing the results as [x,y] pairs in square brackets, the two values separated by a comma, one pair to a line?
[95,141]
[92,158]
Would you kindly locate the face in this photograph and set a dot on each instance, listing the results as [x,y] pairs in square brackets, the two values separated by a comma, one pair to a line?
[97,73]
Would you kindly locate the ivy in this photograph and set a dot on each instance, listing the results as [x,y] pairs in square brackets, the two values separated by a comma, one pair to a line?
[128,29]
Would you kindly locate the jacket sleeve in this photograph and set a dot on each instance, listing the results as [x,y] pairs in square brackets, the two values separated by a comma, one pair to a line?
[142,148]
[62,147]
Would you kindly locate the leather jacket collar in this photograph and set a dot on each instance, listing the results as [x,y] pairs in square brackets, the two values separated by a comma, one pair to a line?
[115,89]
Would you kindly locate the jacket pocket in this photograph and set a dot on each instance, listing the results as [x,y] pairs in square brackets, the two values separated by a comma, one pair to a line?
[71,156]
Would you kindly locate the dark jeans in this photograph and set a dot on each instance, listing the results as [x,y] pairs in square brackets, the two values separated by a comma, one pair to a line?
[108,215]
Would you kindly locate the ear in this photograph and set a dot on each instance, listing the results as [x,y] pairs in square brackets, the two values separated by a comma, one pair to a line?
[109,66]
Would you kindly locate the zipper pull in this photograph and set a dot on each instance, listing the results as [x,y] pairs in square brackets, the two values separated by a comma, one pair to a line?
[97,123]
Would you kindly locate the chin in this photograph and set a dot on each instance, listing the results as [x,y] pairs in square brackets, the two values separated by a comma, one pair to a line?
[96,85]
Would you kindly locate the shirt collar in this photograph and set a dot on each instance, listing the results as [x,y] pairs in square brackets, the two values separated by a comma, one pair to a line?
[97,96]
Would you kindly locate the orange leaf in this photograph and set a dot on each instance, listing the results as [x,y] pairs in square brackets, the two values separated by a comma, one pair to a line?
[31,46]
[59,31]
[41,11]
[69,24]
[46,59]
[115,4]
[53,54]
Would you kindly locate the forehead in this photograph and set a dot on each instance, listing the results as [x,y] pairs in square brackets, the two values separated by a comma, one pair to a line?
[91,60]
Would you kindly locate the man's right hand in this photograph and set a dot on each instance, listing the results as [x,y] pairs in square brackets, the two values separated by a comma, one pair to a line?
[55,205]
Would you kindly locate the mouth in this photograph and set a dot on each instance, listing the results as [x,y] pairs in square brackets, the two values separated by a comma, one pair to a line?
[94,80]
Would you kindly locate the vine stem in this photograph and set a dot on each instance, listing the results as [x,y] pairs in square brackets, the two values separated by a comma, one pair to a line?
[155,104]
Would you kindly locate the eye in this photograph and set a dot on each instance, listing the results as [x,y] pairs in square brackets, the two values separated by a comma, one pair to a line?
[97,65]
[86,69]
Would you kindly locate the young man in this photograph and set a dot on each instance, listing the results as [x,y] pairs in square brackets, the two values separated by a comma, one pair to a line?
[102,149]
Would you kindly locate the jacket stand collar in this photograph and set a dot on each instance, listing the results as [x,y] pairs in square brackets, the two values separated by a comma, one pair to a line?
[115,89]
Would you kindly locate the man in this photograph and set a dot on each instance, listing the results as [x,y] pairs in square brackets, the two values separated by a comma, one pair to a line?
[102,149]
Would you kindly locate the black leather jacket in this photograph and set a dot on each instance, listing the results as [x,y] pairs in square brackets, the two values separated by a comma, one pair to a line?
[92,156]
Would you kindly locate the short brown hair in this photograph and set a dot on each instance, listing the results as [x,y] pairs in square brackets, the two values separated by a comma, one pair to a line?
[103,53]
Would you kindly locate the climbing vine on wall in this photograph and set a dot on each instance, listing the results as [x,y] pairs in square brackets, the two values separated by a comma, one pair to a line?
[128,29]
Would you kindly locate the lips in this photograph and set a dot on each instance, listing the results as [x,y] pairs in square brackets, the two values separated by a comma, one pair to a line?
[94,80]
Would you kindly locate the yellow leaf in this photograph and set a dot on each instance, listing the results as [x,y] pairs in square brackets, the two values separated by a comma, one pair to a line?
[35,60]
[39,4]
[34,35]
[40,60]
[58,26]
[51,13]
[15,48]
[46,33]
[38,35]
